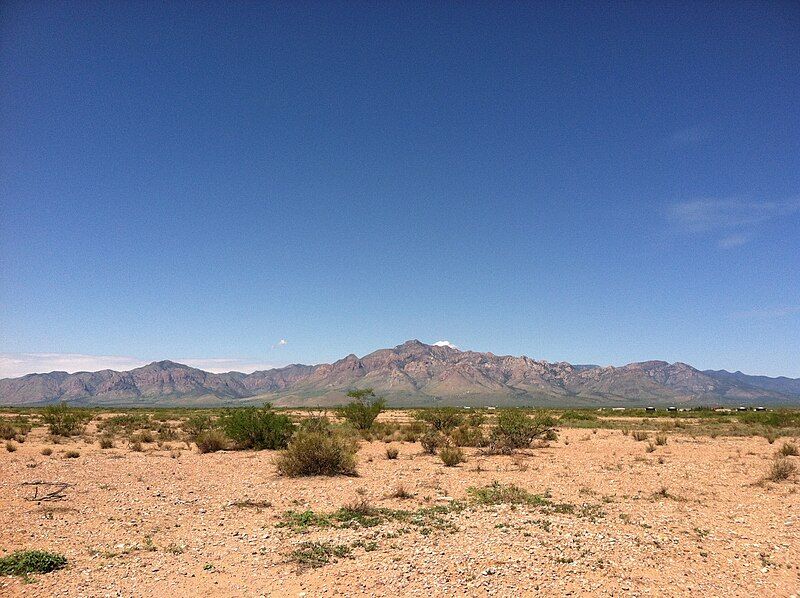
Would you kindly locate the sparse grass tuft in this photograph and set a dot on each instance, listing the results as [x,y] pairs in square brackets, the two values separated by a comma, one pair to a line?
[392,452]
[661,439]
[317,554]
[46,451]
[789,449]
[497,493]
[106,442]
[401,493]
[640,435]
[781,469]
[11,446]
[72,454]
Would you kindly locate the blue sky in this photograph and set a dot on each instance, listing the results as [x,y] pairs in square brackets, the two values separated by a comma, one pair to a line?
[591,182]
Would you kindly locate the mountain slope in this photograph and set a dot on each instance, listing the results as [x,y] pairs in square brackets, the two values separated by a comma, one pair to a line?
[413,373]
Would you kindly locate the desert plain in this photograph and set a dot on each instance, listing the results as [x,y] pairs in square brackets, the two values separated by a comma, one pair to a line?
[595,512]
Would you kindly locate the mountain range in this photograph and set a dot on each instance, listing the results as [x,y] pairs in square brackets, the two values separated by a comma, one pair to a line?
[410,374]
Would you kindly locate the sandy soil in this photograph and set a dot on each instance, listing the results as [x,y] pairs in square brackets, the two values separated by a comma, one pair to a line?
[152,524]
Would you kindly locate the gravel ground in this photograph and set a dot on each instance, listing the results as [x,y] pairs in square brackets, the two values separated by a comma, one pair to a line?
[157,522]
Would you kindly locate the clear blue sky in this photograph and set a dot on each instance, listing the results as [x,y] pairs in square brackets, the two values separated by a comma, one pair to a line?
[599,183]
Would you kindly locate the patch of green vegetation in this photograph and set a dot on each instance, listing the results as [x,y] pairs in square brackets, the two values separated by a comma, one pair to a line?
[317,554]
[497,493]
[25,562]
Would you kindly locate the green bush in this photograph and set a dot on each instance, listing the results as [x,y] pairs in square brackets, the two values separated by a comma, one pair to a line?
[257,428]
[197,424]
[310,453]
[515,430]
[362,411]
[209,441]
[64,420]
[24,562]
[577,415]
[468,436]
[431,441]
[451,456]
[441,418]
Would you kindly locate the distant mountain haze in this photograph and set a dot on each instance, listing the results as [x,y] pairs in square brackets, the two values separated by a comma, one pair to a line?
[411,374]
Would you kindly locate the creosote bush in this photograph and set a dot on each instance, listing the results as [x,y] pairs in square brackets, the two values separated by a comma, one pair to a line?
[452,456]
[197,424]
[257,428]
[362,411]
[25,562]
[441,419]
[468,435]
[431,441]
[211,441]
[311,453]
[515,430]
[63,420]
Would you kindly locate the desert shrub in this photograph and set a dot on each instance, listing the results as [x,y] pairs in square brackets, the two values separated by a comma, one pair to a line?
[452,456]
[442,418]
[25,562]
[46,451]
[661,439]
[413,431]
[167,432]
[431,441]
[196,424]
[515,430]
[650,447]
[400,492]
[782,469]
[789,449]
[392,452]
[578,415]
[135,445]
[362,411]
[72,454]
[14,430]
[775,419]
[125,421]
[257,428]
[106,442]
[315,423]
[211,441]
[11,446]
[475,419]
[143,436]
[771,437]
[468,436]
[63,420]
[640,435]
[329,453]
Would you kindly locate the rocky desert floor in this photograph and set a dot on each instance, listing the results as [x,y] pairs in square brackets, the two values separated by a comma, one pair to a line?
[610,518]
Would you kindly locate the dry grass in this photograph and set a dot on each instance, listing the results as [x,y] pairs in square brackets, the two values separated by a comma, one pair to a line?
[781,469]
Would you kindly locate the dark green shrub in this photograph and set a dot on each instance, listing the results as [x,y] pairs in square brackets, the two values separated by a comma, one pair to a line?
[515,430]
[362,411]
[257,428]
[468,436]
[441,418]
[64,420]
[25,562]
[310,453]
[209,441]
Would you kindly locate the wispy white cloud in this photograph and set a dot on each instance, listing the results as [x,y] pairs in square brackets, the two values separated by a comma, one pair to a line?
[13,365]
[281,343]
[767,313]
[444,344]
[733,221]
